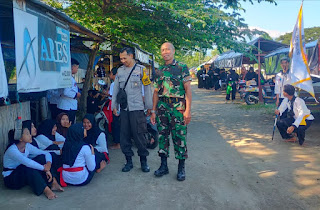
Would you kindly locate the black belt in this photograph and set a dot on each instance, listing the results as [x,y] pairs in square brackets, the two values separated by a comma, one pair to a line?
[171,100]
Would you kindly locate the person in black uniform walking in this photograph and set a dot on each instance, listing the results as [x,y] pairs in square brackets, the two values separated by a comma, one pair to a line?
[232,80]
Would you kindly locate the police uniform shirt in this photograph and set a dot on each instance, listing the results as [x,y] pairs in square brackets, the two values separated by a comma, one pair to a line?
[68,99]
[133,89]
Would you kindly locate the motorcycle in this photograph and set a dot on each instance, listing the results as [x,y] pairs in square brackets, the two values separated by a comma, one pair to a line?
[152,135]
[103,119]
[251,94]
[242,88]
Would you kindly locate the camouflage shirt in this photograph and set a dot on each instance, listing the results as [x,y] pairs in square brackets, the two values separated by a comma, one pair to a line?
[170,79]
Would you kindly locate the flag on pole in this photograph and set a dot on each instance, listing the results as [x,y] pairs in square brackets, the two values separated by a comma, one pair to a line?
[3,78]
[300,71]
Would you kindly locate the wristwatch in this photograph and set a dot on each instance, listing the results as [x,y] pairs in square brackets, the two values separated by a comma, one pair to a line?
[153,111]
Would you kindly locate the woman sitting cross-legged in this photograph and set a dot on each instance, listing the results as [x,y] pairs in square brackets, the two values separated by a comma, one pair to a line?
[98,140]
[77,157]
[48,138]
[54,150]
[20,170]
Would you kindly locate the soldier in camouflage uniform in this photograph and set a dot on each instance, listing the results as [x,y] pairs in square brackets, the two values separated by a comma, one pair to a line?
[172,101]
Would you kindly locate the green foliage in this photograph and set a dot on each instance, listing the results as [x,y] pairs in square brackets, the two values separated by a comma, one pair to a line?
[54,3]
[10,68]
[188,24]
[311,34]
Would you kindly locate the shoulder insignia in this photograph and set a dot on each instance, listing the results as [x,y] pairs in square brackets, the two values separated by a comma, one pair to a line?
[145,78]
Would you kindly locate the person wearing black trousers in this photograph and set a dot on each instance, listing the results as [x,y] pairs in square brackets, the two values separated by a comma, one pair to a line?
[20,170]
[298,117]
[232,80]
[115,125]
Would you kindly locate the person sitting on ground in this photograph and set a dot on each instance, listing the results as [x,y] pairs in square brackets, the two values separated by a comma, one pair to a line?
[63,123]
[54,150]
[298,119]
[48,138]
[77,157]
[20,170]
[98,140]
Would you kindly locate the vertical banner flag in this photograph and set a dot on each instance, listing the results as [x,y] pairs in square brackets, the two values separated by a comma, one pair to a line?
[42,46]
[299,71]
[3,78]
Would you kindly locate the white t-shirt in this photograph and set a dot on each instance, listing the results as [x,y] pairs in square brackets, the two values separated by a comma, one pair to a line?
[300,110]
[43,141]
[68,100]
[13,158]
[101,143]
[84,159]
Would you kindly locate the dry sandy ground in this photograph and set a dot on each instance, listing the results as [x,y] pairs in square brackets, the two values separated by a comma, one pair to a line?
[233,164]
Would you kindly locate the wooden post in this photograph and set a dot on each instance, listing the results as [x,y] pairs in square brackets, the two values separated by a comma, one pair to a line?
[259,76]
[88,81]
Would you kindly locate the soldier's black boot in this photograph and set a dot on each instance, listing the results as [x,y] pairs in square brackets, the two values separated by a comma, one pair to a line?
[163,170]
[128,166]
[181,176]
[144,164]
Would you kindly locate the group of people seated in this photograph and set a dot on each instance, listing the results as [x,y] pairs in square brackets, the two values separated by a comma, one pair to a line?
[55,155]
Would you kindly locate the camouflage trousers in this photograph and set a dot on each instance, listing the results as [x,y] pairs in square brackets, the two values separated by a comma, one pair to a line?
[170,121]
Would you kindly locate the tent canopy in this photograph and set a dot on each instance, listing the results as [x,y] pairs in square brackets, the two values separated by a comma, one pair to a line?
[266,46]
[273,58]
[232,59]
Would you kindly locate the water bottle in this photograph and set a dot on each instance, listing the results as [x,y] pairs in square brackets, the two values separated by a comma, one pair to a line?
[18,128]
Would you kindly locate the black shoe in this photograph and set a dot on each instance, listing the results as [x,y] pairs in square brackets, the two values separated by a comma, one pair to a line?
[163,170]
[128,166]
[144,164]
[181,176]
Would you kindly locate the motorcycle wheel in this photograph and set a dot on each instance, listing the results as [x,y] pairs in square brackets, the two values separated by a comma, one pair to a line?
[250,99]
[101,124]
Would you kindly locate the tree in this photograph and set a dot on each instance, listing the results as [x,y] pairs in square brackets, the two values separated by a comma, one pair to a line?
[188,24]
[311,34]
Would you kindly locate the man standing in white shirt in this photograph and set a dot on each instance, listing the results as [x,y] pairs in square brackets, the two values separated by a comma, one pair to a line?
[68,100]
[298,118]
[282,78]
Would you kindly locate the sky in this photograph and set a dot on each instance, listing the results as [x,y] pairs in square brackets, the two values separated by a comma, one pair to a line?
[280,19]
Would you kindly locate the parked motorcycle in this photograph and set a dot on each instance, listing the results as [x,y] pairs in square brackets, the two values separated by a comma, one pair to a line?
[251,95]
[152,135]
[102,118]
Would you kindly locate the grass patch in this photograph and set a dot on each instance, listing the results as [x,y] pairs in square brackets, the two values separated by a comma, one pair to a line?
[265,108]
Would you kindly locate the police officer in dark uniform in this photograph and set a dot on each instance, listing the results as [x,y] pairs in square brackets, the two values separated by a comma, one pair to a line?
[133,123]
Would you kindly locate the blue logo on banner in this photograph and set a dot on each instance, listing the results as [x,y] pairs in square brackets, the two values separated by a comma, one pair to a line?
[28,53]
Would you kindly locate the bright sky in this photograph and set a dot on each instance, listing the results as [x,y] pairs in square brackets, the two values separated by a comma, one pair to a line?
[280,19]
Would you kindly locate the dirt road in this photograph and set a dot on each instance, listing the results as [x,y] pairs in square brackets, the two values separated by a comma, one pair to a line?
[233,164]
